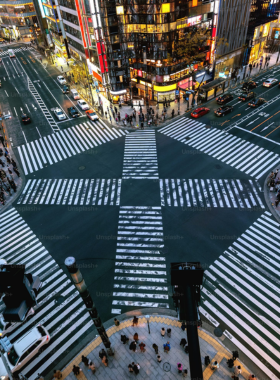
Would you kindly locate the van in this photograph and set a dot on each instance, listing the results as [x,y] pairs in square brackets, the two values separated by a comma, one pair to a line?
[74,94]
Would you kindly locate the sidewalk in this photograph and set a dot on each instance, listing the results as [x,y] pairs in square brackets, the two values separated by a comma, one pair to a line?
[270,196]
[149,367]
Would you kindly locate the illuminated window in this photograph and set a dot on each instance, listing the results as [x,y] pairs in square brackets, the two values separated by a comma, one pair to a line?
[119,10]
[165,8]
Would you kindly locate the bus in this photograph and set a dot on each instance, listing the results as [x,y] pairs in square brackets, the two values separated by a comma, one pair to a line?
[11,53]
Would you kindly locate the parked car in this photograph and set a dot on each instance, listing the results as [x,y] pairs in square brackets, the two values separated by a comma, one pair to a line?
[256,102]
[59,114]
[270,82]
[247,86]
[83,105]
[91,115]
[198,112]
[25,119]
[223,99]
[247,96]
[61,79]
[222,111]
[65,89]
[73,112]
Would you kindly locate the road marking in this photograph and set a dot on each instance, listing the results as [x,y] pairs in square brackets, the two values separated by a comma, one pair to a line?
[15,111]
[24,136]
[253,133]
[237,103]
[38,132]
[267,126]
[27,107]
[273,130]
[264,121]
[6,93]
[253,121]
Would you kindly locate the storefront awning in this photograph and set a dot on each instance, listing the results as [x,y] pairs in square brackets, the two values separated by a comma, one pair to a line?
[185,86]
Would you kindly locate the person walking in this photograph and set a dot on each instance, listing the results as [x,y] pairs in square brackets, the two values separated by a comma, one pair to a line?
[214,365]
[61,68]
[136,368]
[57,374]
[102,353]
[133,346]
[167,347]
[85,360]
[183,342]
[130,368]
[142,347]
[168,333]
[105,361]
[162,332]
[117,322]
[172,113]
[91,366]
[179,367]
[135,321]
[135,337]
[124,339]
[159,359]
[237,370]
[252,377]
[185,373]
[184,326]
[76,370]
[155,347]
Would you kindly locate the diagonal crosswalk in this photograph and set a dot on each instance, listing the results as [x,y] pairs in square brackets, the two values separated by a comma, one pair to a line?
[140,269]
[241,292]
[67,321]
[232,150]
[53,148]
[140,156]
[226,193]
[72,192]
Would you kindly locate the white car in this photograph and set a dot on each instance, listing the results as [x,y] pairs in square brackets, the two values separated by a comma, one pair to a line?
[270,82]
[26,347]
[59,114]
[83,105]
[91,115]
[61,79]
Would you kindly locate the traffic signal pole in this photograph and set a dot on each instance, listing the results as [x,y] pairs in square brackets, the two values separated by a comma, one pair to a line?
[80,284]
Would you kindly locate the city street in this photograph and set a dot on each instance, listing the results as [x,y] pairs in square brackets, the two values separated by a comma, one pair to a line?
[128,204]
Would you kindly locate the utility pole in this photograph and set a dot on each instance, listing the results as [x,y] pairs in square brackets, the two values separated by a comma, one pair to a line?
[77,277]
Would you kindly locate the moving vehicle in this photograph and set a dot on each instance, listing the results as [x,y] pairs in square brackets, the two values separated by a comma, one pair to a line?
[73,112]
[224,99]
[59,114]
[222,111]
[75,94]
[256,102]
[91,115]
[25,119]
[249,85]
[65,89]
[61,79]
[247,96]
[26,347]
[7,327]
[198,112]
[270,82]
[83,105]
[11,53]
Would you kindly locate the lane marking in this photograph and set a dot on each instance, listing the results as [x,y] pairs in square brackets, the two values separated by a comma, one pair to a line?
[252,121]
[6,93]
[263,121]
[273,130]
[253,133]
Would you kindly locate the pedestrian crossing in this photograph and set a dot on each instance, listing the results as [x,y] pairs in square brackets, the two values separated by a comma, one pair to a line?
[228,193]
[17,50]
[53,148]
[60,308]
[140,269]
[140,156]
[241,292]
[74,192]
[234,151]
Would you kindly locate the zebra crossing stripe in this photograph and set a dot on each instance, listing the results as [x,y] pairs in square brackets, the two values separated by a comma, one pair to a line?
[240,154]
[203,193]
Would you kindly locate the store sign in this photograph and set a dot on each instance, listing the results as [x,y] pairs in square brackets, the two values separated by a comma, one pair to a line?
[276,35]
[189,22]
[140,73]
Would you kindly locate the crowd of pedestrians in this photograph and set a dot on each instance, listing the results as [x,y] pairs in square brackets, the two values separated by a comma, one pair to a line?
[274,185]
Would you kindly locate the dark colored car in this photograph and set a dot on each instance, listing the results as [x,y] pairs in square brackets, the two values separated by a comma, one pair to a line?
[73,112]
[222,111]
[256,102]
[198,112]
[248,96]
[224,99]
[25,119]
[65,89]
[247,86]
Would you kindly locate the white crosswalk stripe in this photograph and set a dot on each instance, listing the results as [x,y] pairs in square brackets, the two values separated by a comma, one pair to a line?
[17,50]
[210,193]
[65,143]
[72,192]
[140,268]
[241,291]
[66,320]
[234,151]
[140,156]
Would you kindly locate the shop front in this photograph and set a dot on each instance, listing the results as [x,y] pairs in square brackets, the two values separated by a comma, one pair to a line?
[118,96]
[165,93]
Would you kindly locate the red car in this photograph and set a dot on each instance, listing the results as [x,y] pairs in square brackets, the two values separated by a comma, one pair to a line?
[200,112]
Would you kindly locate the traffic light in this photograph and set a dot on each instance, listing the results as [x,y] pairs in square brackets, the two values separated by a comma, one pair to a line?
[19,291]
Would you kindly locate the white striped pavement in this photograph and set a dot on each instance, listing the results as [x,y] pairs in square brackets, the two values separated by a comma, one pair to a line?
[140,269]
[140,156]
[208,193]
[66,321]
[74,192]
[241,291]
[232,150]
[65,143]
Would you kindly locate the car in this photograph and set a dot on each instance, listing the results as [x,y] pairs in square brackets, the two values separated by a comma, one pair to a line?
[222,111]
[61,79]
[26,347]
[91,115]
[65,89]
[198,112]
[247,96]
[83,105]
[25,119]
[8,327]
[270,82]
[256,102]
[249,85]
[224,99]
[73,112]
[59,114]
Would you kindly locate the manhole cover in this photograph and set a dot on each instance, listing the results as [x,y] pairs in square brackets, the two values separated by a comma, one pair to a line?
[218,166]
[59,299]
[166,367]
[82,167]
[218,332]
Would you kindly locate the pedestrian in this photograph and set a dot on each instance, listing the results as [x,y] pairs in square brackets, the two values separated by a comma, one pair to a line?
[186,348]
[57,374]
[76,370]
[155,347]
[237,370]
[124,339]
[91,366]
[102,353]
[106,114]
[135,321]
[105,361]
[133,346]
[162,332]
[214,365]
[142,125]
[252,377]
[142,347]
[130,368]
[168,333]
[172,113]
[136,368]
[167,347]
[184,326]
[185,373]
[17,172]
[179,367]
[159,359]
[110,119]
[61,68]
[135,337]
[85,360]
[183,342]
[116,321]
